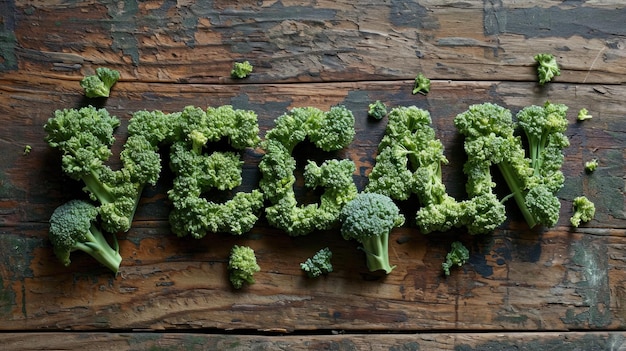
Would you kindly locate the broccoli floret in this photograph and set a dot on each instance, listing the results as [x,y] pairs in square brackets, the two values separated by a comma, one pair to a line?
[100,84]
[196,172]
[547,67]
[457,256]
[583,114]
[84,138]
[241,69]
[421,85]
[27,149]
[242,266]
[591,166]
[73,227]
[377,110]
[584,210]
[368,219]
[533,181]
[318,264]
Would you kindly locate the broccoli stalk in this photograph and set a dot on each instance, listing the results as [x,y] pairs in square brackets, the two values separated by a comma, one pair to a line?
[242,266]
[73,227]
[368,219]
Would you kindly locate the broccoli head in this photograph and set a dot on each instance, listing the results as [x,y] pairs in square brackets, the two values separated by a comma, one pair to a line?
[368,219]
[377,110]
[242,266]
[73,227]
[241,69]
[457,256]
[421,85]
[318,264]
[547,67]
[584,210]
[100,84]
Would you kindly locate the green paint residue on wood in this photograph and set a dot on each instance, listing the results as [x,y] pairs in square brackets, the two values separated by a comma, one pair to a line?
[123,28]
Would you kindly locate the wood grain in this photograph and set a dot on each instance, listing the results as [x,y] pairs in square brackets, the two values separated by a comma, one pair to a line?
[522,289]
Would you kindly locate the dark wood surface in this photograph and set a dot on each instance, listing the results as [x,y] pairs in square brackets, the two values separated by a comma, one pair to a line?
[547,288]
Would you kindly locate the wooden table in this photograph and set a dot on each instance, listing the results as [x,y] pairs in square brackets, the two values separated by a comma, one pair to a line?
[554,288]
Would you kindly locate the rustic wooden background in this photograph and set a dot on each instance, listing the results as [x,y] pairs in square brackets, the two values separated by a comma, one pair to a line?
[558,288]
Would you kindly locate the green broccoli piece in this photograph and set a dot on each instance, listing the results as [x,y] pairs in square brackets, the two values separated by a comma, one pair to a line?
[584,210]
[318,264]
[490,140]
[458,256]
[547,67]
[328,131]
[421,85]
[377,110]
[241,69]
[591,166]
[85,137]
[100,84]
[368,219]
[73,227]
[27,149]
[196,172]
[242,266]
[583,114]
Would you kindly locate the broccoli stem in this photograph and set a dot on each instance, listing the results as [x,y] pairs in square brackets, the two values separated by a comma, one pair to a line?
[101,191]
[376,250]
[517,191]
[98,247]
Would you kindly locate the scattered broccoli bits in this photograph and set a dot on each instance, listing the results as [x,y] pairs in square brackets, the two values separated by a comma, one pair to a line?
[591,166]
[547,67]
[457,256]
[241,69]
[377,110]
[100,84]
[242,266]
[583,114]
[584,210]
[318,264]
[422,84]
[27,149]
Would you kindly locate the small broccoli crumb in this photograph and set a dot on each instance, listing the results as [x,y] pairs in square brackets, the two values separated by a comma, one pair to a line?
[591,166]
[422,85]
[457,256]
[584,210]
[27,149]
[583,114]
[547,67]
[241,69]
[318,264]
[242,266]
[377,110]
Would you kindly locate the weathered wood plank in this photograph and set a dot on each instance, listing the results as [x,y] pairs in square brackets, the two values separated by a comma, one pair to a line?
[316,41]
[593,341]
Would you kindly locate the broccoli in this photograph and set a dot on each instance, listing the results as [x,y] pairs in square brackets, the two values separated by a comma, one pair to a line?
[318,264]
[377,110]
[533,181]
[84,138]
[421,85]
[457,256]
[73,227]
[27,149]
[409,162]
[196,172]
[368,219]
[591,166]
[241,69]
[328,131]
[584,210]
[583,114]
[242,266]
[100,84]
[547,67]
